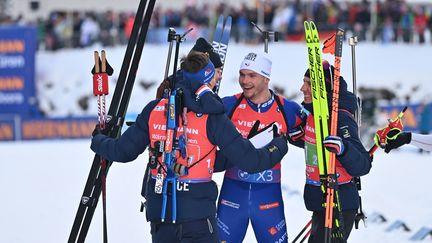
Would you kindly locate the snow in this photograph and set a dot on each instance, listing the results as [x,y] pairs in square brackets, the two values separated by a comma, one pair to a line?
[42,182]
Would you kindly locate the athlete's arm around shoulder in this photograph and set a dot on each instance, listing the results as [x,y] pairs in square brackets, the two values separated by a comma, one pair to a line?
[229,102]
[130,144]
[240,151]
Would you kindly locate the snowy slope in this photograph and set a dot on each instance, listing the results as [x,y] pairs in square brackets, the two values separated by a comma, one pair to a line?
[41,183]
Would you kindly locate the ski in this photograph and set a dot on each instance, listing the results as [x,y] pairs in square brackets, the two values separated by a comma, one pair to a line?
[221,38]
[319,96]
[117,111]
[335,47]
[321,119]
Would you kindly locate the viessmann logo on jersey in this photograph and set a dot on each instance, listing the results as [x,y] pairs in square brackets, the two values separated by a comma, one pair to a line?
[162,127]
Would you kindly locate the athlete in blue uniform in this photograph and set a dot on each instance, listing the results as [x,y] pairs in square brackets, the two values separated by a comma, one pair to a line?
[255,197]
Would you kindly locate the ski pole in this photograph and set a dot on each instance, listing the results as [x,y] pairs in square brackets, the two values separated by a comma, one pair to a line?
[100,89]
[266,36]
[352,41]
[308,224]
[333,45]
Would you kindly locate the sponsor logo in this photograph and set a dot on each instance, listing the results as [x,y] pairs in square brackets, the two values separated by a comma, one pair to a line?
[99,83]
[272,231]
[280,226]
[85,200]
[12,62]
[12,46]
[207,71]
[310,129]
[243,174]
[251,56]
[242,106]
[6,132]
[265,73]
[162,127]
[282,239]
[345,132]
[269,206]
[11,83]
[159,108]
[230,204]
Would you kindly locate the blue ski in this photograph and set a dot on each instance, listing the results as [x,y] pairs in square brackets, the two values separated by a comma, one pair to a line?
[221,39]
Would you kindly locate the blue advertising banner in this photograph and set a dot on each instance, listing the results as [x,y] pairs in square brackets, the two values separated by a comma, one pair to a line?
[17,70]
[62,128]
[418,117]
[13,128]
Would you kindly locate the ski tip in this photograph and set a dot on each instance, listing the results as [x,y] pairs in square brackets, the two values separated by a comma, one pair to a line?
[312,25]
[306,25]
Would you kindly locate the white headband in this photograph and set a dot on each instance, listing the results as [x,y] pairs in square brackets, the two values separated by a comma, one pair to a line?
[258,63]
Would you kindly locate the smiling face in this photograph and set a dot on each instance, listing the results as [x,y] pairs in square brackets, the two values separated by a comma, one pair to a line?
[254,86]
[306,89]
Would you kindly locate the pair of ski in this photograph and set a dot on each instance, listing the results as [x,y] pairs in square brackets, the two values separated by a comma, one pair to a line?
[326,160]
[117,111]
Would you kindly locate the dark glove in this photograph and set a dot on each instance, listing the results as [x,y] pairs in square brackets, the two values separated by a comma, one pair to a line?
[334,144]
[278,144]
[397,140]
[255,129]
[109,124]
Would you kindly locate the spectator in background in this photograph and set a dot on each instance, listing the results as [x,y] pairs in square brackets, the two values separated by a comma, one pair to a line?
[425,119]
[89,30]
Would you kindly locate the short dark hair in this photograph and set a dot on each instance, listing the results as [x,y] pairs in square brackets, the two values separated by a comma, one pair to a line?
[194,61]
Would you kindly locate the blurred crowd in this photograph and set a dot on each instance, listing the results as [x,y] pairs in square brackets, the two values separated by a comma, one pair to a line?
[378,21]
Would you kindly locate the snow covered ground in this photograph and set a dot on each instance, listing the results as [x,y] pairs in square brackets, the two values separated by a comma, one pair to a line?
[41,184]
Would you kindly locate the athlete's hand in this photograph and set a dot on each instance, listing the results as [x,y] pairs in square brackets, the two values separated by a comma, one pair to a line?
[397,140]
[334,144]
[109,124]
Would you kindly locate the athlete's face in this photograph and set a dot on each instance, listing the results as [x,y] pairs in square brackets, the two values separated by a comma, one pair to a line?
[217,77]
[254,85]
[306,89]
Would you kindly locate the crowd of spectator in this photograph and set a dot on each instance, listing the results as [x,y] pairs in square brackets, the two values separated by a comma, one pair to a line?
[381,21]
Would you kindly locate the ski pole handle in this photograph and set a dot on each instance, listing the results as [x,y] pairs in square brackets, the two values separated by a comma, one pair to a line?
[100,77]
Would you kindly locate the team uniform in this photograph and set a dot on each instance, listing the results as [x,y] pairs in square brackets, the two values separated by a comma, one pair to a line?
[256,197]
[197,192]
[354,161]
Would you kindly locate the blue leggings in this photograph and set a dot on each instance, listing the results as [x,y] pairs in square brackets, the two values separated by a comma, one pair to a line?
[260,203]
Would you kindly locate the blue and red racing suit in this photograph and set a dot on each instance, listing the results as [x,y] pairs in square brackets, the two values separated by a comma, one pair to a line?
[255,197]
